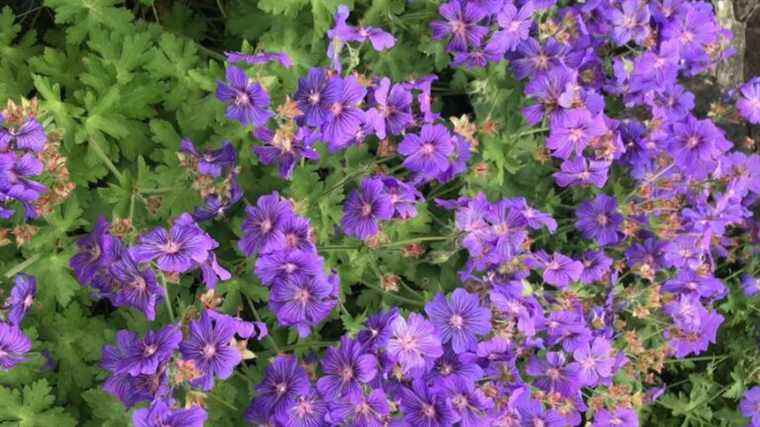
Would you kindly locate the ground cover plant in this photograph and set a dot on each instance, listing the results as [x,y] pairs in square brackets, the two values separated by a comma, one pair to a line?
[386,213]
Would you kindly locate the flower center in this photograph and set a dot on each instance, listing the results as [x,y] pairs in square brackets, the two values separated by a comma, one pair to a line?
[150,350]
[242,99]
[553,373]
[289,267]
[428,411]
[456,321]
[692,142]
[292,240]
[367,209]
[28,301]
[304,408]
[171,247]
[281,388]
[408,342]
[446,369]
[314,98]
[209,351]
[302,296]
[336,108]
[347,374]
[266,225]
[459,28]
[427,148]
[601,219]
[460,401]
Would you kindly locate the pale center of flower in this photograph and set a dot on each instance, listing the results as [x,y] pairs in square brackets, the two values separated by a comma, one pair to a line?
[445,369]
[302,296]
[94,252]
[336,108]
[553,265]
[3,353]
[542,62]
[552,373]
[691,285]
[314,98]
[363,408]
[629,22]
[347,374]
[28,301]
[459,28]
[292,239]
[616,421]
[138,283]
[304,408]
[460,401]
[281,388]
[428,410]
[171,247]
[514,26]
[692,141]
[366,209]
[427,148]
[209,350]
[289,267]
[687,36]
[407,342]
[588,363]
[601,219]
[242,99]
[266,225]
[456,321]
[150,350]
[537,422]
[576,134]
[585,175]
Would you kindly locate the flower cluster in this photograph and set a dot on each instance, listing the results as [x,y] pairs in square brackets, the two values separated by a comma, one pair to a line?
[27,152]
[378,198]
[301,294]
[14,344]
[148,368]
[215,177]
[124,274]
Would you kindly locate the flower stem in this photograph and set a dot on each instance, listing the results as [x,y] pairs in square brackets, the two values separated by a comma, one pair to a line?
[21,266]
[106,161]
[167,300]
[255,312]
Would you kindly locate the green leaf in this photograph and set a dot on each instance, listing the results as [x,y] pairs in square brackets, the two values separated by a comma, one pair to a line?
[87,17]
[32,406]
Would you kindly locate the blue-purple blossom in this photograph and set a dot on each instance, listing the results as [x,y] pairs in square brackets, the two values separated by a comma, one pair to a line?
[21,298]
[284,381]
[459,319]
[365,208]
[413,341]
[427,153]
[345,369]
[13,346]
[247,101]
[599,220]
[160,413]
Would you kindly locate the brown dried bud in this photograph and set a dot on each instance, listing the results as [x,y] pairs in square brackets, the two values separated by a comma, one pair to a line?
[24,233]
[390,283]
[415,250]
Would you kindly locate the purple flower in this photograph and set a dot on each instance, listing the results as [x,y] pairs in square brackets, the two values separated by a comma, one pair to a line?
[413,342]
[424,407]
[303,302]
[688,281]
[343,96]
[579,171]
[630,23]
[15,170]
[285,148]
[427,153]
[365,207]
[13,346]
[694,326]
[377,330]
[216,206]
[599,220]
[361,410]
[403,197]
[29,136]
[161,414]
[750,285]
[514,26]
[310,97]
[288,266]
[307,411]
[392,109]
[459,319]
[553,374]
[468,402]
[461,23]
[452,366]
[572,131]
[379,39]
[284,381]
[21,298]
[749,101]
[247,102]
[209,344]
[136,286]
[262,228]
[559,270]
[750,405]
[96,251]
[696,146]
[593,362]
[596,265]
[180,249]
[260,58]
[133,390]
[345,369]
[619,417]
[144,356]
[213,162]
